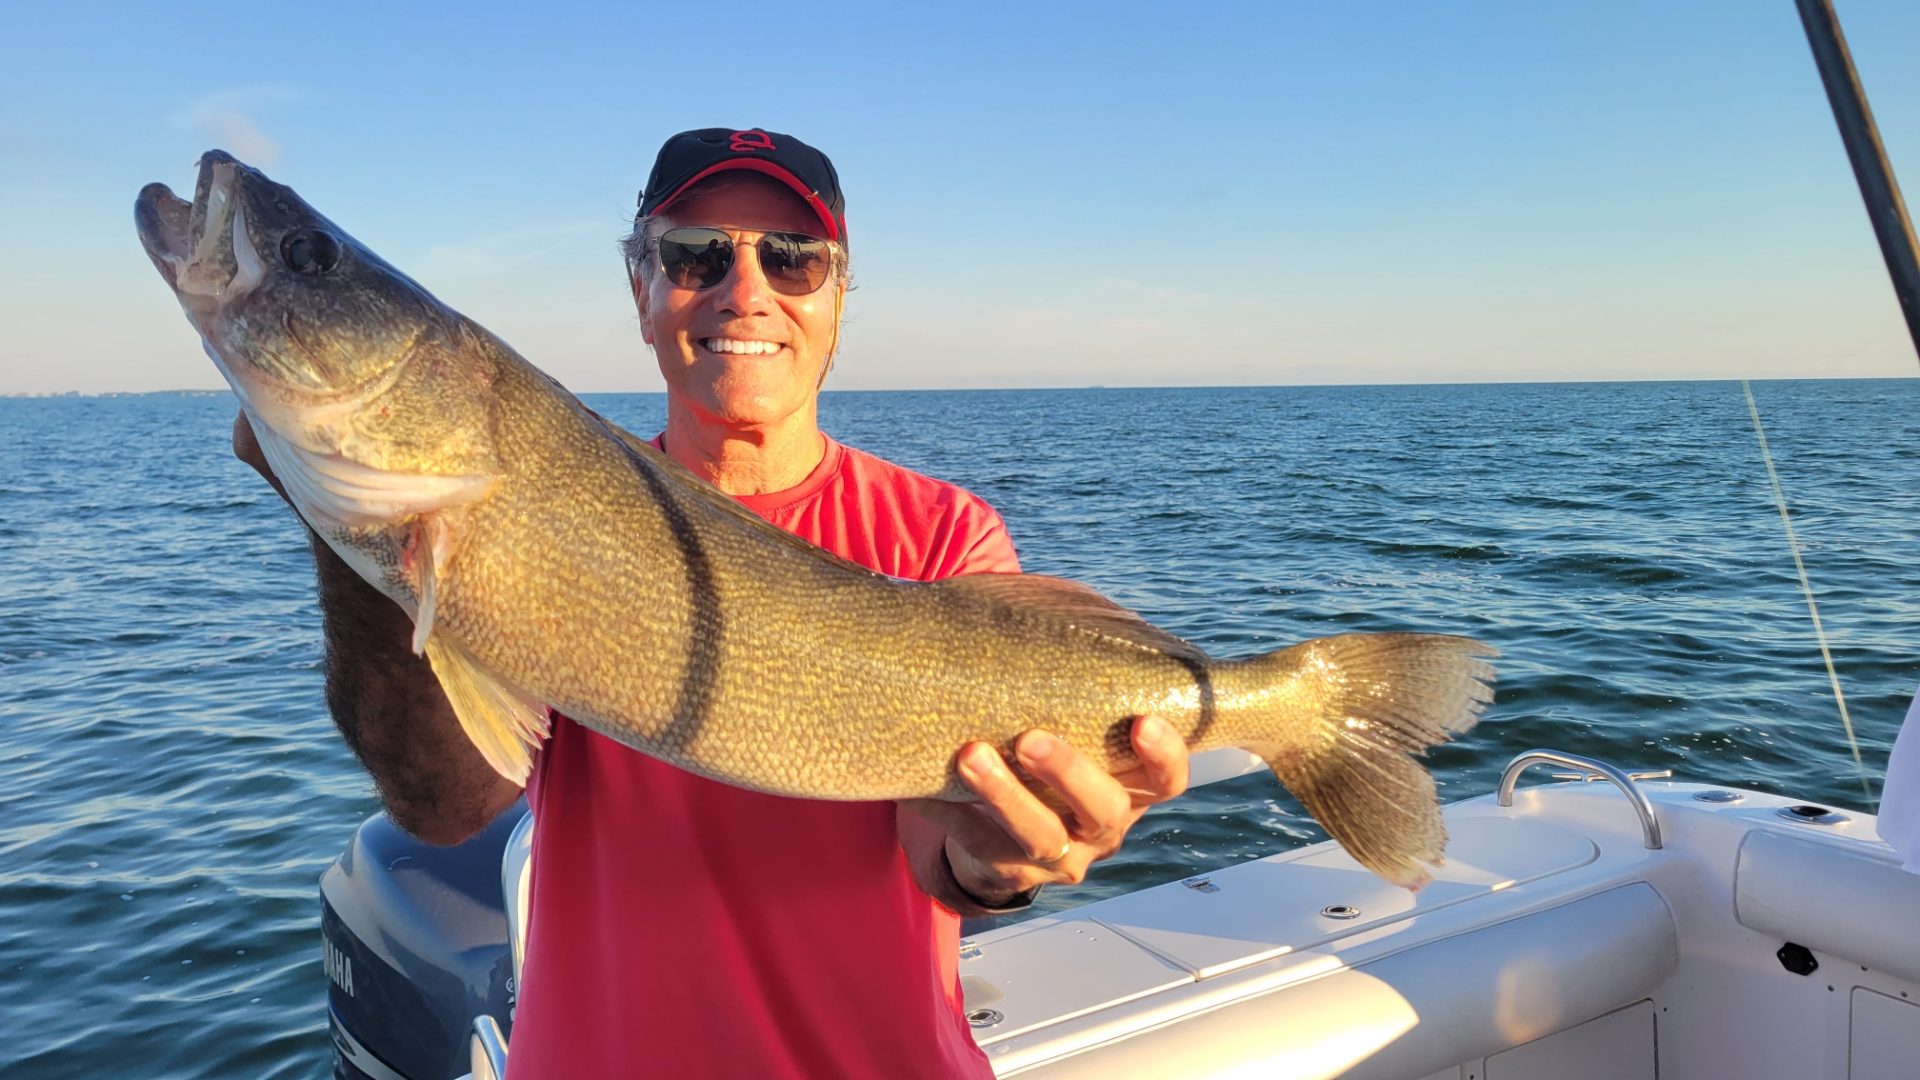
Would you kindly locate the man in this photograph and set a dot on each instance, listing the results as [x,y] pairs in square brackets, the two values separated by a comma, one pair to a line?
[679,926]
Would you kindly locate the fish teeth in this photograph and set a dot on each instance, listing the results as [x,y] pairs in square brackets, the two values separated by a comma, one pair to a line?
[248,270]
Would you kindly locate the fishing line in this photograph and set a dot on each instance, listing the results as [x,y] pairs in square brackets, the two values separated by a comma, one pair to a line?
[1793,544]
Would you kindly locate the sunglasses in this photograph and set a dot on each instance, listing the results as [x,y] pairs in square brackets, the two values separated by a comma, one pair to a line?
[794,264]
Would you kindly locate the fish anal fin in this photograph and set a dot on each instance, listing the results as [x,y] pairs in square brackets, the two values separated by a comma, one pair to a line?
[1072,603]
[504,724]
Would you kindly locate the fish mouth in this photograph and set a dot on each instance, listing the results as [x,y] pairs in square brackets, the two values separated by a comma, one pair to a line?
[203,248]
[165,222]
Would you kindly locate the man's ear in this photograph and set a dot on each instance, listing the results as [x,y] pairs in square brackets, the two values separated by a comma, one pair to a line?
[640,302]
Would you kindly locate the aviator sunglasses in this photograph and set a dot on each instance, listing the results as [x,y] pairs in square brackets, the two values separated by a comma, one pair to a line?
[696,257]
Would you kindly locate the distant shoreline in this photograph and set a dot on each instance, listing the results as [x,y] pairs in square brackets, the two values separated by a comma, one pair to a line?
[1103,388]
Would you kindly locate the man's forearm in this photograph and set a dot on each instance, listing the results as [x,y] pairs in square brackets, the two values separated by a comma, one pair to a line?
[386,701]
[391,710]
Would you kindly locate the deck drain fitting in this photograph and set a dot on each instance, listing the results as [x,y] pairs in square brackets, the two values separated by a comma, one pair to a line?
[1797,959]
[983,1018]
[1812,815]
[1340,911]
[1718,795]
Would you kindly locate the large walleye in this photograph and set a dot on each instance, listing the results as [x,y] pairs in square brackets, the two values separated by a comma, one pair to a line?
[550,560]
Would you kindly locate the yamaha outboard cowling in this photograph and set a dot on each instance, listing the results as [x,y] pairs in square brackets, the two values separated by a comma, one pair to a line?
[414,939]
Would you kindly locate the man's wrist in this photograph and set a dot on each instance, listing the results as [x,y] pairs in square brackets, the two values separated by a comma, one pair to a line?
[972,905]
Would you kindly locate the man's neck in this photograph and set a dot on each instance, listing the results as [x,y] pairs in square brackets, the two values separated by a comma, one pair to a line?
[746,461]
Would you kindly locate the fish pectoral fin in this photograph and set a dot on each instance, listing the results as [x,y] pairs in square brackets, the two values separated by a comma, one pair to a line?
[1072,603]
[430,548]
[505,724]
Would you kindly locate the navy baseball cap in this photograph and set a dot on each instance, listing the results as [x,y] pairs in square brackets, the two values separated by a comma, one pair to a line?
[692,156]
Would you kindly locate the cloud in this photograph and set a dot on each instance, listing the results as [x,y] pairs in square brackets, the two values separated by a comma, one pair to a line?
[227,118]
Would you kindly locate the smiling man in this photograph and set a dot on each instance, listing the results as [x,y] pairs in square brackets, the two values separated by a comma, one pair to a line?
[679,926]
[781,937]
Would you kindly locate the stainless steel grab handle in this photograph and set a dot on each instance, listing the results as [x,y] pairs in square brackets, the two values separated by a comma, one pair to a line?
[1649,824]
[486,1049]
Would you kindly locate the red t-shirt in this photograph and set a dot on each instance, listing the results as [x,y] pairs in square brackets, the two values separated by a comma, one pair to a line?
[681,927]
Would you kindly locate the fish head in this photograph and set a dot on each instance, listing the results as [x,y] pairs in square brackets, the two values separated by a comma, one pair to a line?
[293,309]
[371,399]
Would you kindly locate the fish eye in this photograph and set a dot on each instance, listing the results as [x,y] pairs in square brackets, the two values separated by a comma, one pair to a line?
[310,251]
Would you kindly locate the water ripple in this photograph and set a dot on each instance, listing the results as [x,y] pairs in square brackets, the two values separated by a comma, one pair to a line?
[171,788]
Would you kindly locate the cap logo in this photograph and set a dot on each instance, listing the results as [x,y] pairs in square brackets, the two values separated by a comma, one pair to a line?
[744,141]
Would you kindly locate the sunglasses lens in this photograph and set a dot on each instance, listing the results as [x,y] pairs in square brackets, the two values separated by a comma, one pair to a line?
[699,258]
[794,263]
[696,258]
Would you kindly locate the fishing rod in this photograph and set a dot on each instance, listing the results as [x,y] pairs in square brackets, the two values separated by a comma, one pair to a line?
[1888,213]
[1878,188]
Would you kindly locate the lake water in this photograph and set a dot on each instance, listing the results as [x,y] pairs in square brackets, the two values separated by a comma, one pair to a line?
[171,787]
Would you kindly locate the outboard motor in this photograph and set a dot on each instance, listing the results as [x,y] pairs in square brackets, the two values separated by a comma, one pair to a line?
[414,939]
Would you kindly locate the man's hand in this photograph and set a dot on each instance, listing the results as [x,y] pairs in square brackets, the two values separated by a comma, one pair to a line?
[1010,841]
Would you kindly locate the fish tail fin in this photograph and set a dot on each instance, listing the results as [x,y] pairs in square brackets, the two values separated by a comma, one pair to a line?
[1339,721]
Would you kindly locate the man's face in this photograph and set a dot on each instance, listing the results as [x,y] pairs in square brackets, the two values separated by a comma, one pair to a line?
[709,342]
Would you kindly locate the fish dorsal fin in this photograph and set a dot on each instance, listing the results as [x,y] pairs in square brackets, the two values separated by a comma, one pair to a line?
[1073,603]
[504,724]
[700,491]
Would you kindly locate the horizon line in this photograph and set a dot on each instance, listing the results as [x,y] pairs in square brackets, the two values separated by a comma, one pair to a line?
[216,390]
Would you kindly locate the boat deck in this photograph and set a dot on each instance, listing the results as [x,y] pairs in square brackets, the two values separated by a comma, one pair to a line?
[1554,943]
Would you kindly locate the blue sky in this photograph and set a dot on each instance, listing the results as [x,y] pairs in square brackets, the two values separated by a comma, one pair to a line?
[1076,194]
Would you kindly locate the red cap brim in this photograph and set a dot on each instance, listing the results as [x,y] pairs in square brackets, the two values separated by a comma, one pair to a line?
[768,168]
